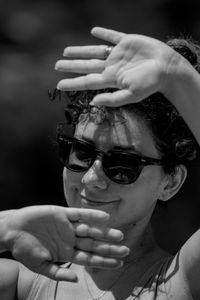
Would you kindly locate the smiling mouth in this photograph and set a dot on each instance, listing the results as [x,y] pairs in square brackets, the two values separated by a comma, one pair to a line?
[86,201]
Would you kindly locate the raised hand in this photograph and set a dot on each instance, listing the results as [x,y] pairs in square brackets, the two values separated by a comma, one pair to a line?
[44,237]
[138,66]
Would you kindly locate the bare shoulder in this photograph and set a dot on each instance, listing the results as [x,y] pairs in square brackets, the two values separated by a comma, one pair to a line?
[9,272]
[15,279]
[186,266]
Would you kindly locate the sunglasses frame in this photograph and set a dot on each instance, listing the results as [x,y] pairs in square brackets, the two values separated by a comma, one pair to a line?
[143,160]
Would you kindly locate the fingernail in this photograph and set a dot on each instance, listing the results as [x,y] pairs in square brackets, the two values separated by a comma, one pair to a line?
[92,103]
[127,251]
[121,237]
[107,216]
[56,66]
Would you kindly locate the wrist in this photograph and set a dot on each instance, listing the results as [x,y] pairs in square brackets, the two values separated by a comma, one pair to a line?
[182,89]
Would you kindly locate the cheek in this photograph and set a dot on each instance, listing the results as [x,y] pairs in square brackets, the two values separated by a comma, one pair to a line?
[140,197]
[147,185]
[71,185]
[151,183]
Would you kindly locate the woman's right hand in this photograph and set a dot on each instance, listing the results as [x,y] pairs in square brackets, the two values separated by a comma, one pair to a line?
[138,66]
[44,237]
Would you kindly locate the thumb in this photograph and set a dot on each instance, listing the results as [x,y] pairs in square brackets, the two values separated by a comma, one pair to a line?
[57,272]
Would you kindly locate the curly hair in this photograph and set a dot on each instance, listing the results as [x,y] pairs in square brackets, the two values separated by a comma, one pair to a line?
[174,140]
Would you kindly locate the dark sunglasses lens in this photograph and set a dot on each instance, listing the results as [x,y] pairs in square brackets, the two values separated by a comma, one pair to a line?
[64,148]
[122,168]
[80,157]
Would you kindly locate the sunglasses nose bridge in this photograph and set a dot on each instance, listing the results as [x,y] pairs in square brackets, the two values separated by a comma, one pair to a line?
[99,153]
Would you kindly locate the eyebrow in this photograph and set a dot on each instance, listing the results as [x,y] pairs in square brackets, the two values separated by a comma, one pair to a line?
[117,147]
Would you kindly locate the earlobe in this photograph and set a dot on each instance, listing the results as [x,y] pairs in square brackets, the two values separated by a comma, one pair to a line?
[173,183]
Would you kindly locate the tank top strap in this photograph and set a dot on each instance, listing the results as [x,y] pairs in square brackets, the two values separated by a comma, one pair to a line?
[152,278]
[44,288]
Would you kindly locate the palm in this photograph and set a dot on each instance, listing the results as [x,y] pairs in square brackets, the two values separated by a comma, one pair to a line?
[49,237]
[136,66]
[131,59]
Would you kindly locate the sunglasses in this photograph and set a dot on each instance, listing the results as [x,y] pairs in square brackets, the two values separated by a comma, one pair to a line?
[120,166]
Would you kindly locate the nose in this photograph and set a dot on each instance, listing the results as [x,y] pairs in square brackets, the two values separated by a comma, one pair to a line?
[94,177]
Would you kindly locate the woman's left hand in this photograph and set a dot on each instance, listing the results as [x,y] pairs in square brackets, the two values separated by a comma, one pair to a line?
[43,237]
[138,66]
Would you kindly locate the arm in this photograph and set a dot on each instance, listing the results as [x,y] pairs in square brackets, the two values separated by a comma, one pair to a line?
[43,237]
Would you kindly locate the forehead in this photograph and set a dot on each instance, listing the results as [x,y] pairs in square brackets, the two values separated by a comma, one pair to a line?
[130,132]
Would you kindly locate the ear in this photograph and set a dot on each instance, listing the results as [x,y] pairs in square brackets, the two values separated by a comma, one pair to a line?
[173,182]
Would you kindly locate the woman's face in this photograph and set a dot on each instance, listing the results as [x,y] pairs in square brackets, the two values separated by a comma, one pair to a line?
[127,204]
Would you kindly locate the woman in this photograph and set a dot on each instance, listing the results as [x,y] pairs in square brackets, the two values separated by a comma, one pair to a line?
[117,161]
[137,67]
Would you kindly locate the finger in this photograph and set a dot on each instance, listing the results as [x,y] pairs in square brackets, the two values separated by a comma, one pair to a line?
[56,272]
[87,215]
[101,248]
[108,35]
[103,234]
[88,259]
[80,66]
[85,51]
[115,99]
[91,81]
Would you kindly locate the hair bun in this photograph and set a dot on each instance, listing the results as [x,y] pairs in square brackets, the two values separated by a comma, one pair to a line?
[185,149]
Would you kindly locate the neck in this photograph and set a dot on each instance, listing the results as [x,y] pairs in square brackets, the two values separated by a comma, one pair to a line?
[139,238]
[144,253]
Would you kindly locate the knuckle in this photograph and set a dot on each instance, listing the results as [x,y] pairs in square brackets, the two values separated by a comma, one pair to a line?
[81,229]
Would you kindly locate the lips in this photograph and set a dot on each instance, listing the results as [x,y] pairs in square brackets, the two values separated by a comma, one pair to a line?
[89,202]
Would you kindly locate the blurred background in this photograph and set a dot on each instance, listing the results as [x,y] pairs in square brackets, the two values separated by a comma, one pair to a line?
[33,35]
